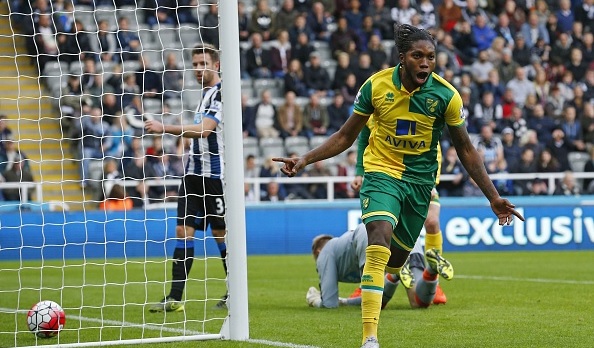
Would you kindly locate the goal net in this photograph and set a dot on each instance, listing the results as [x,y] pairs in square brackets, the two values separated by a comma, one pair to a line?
[89,198]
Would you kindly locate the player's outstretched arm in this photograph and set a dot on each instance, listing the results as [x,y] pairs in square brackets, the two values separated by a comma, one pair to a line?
[335,144]
[473,163]
[200,130]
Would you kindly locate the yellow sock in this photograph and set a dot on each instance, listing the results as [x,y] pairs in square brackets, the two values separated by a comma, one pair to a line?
[372,288]
[434,241]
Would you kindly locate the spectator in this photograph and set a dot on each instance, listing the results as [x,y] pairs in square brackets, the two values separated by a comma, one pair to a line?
[481,67]
[495,52]
[173,78]
[251,169]
[504,30]
[120,135]
[520,86]
[128,41]
[285,16]
[302,49]
[541,123]
[546,163]
[403,12]
[110,177]
[559,149]
[568,185]
[527,164]
[521,53]
[588,124]
[186,11]
[587,48]
[209,25]
[244,22]
[5,133]
[341,38]
[258,58]
[137,168]
[533,29]
[160,16]
[483,34]
[589,168]
[565,16]
[474,92]
[95,93]
[538,187]
[347,168]
[338,113]
[343,69]
[130,92]
[511,151]
[11,155]
[273,193]
[377,53]
[465,42]
[349,90]
[542,11]
[572,129]
[504,186]
[576,64]
[516,14]
[18,172]
[45,41]
[294,81]
[316,77]
[70,102]
[531,141]
[299,28]
[318,190]
[290,117]
[449,15]
[116,200]
[366,32]
[280,55]
[494,85]
[261,20]
[508,66]
[317,21]
[381,18]
[95,133]
[270,169]
[486,113]
[248,117]
[315,117]
[516,122]
[108,44]
[455,56]
[266,117]
[364,69]
[561,51]
[588,84]
[542,86]
[555,103]
[149,80]
[488,146]
[451,166]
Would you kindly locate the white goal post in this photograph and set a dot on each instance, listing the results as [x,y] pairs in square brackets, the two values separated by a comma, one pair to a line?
[101,266]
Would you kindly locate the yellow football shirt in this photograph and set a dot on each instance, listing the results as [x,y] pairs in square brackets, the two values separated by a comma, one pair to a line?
[407,126]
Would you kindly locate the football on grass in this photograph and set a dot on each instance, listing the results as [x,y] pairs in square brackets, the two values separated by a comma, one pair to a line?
[45,319]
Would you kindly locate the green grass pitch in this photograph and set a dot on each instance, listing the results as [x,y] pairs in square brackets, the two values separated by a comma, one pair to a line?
[503,299]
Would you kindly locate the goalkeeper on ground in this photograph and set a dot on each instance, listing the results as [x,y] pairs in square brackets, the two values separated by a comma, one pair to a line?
[341,259]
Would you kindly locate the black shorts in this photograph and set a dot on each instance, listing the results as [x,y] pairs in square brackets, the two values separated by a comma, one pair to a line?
[201,203]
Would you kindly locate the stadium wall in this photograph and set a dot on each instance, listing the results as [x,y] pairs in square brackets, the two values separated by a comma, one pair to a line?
[552,223]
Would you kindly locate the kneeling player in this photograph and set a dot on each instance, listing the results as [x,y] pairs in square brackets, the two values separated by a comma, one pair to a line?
[341,259]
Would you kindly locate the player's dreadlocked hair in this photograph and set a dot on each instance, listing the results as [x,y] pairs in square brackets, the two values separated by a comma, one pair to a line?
[405,35]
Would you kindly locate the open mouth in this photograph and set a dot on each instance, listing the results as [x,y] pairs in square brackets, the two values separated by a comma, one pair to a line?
[422,76]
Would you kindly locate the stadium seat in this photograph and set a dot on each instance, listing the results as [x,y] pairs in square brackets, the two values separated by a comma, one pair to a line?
[272,147]
[134,17]
[147,39]
[577,160]
[131,66]
[167,36]
[152,105]
[190,98]
[107,13]
[175,106]
[261,85]
[297,144]
[316,140]
[189,36]
[250,147]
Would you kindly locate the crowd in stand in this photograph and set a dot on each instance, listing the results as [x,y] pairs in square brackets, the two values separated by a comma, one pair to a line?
[524,69]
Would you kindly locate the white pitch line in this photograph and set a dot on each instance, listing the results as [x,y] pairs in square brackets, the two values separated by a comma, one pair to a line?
[529,280]
[159,328]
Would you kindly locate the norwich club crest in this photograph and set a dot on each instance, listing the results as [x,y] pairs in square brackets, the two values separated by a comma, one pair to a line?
[365,202]
[431,104]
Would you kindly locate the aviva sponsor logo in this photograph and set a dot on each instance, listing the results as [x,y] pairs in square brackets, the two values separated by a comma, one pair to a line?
[390,97]
[406,144]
